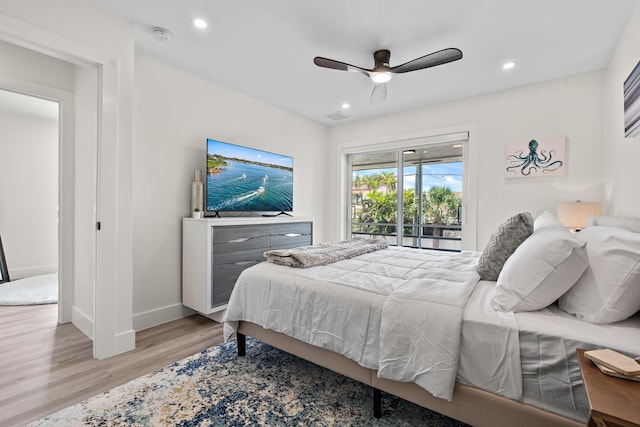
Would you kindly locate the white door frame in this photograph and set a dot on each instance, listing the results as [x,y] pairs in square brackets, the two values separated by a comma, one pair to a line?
[112,288]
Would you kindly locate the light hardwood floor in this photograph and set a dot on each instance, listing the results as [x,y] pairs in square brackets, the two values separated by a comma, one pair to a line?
[45,367]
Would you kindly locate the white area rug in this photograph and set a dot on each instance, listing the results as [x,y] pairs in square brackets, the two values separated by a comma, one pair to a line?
[30,290]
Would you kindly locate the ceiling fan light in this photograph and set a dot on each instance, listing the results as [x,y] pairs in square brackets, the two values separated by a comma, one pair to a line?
[381,77]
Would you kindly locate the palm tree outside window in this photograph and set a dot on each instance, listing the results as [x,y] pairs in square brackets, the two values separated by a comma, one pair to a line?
[431,189]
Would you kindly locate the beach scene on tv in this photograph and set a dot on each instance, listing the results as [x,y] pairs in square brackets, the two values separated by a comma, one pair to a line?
[245,179]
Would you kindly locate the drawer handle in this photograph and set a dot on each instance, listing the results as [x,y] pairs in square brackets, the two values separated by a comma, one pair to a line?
[244,239]
[293,234]
[243,262]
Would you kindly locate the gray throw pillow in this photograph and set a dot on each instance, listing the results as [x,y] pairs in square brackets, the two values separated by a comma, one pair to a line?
[502,243]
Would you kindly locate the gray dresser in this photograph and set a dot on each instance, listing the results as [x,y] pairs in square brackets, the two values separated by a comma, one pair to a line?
[215,251]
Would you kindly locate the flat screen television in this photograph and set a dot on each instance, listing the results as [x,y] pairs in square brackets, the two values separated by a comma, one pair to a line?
[241,179]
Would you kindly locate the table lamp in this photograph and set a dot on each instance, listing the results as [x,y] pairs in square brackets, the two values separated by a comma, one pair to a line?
[573,215]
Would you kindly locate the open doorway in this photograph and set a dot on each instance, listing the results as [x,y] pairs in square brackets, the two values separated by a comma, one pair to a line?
[92,83]
[29,176]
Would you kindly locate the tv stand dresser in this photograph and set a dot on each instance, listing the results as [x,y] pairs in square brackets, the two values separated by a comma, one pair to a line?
[216,250]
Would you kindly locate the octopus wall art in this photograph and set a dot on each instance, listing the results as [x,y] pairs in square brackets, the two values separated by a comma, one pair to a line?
[537,158]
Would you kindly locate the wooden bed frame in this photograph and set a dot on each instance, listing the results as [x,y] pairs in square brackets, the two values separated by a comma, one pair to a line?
[469,404]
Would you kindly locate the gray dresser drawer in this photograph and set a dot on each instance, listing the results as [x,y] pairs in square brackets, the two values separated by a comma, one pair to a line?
[237,257]
[290,235]
[282,242]
[240,238]
[296,227]
[224,278]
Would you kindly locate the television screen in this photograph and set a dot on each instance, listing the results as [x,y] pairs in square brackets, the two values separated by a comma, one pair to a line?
[245,179]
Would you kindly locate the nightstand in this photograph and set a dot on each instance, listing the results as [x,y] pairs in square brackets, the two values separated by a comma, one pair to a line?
[613,401]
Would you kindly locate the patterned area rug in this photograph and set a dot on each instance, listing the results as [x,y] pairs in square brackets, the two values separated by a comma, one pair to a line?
[267,387]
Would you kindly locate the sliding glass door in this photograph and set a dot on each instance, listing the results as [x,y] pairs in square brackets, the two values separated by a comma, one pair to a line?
[411,196]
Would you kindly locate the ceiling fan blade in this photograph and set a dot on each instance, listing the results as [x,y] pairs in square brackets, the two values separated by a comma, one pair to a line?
[431,60]
[379,93]
[337,65]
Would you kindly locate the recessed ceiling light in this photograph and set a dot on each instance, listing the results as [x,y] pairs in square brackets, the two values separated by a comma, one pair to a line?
[508,65]
[409,152]
[200,23]
[345,105]
[457,145]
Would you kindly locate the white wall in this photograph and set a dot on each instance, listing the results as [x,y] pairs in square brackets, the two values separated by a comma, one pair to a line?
[29,189]
[621,154]
[174,113]
[570,107]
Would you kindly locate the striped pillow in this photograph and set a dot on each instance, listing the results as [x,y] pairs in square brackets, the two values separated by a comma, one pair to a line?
[502,243]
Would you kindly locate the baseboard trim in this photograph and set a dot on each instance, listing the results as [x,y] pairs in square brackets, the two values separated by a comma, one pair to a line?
[21,273]
[149,319]
[125,341]
[82,322]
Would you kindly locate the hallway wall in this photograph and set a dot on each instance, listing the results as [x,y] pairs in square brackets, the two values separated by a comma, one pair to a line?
[29,188]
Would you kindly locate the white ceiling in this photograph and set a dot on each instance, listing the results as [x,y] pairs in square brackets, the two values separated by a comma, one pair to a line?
[265,49]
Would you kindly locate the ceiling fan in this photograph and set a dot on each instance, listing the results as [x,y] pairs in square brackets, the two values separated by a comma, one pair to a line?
[381,73]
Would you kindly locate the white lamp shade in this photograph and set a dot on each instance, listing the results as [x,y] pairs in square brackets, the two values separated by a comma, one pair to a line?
[574,214]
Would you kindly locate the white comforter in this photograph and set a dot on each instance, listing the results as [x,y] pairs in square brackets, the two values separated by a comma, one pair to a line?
[406,324]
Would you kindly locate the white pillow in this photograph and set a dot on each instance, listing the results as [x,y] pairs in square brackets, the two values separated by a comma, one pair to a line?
[546,220]
[543,268]
[609,291]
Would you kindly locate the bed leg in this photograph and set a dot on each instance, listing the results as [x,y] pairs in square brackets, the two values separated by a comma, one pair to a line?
[242,344]
[377,403]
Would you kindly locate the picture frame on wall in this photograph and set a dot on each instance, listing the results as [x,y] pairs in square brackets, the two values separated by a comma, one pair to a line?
[535,158]
[631,89]
[4,271]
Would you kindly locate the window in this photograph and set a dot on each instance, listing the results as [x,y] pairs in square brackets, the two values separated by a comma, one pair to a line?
[420,210]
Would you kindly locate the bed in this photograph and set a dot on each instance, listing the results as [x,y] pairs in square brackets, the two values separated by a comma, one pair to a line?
[424,326]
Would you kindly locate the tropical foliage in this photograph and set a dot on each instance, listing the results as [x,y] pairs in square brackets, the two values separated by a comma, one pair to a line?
[215,162]
[375,201]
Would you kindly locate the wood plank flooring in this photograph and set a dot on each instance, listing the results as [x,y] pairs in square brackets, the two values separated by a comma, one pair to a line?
[45,367]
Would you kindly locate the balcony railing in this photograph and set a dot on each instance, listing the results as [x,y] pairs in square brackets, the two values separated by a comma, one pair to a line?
[447,238]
